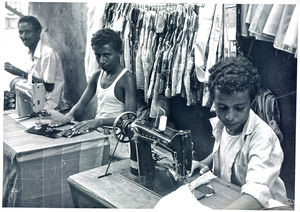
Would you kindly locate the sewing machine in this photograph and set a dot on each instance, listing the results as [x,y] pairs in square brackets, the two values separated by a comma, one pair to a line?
[30,98]
[155,149]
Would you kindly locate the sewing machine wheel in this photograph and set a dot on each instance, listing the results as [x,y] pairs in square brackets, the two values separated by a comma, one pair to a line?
[121,127]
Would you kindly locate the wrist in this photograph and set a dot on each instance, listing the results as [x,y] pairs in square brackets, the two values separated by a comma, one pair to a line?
[99,122]
[70,116]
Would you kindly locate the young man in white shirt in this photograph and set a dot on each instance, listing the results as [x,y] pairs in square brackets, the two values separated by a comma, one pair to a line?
[43,63]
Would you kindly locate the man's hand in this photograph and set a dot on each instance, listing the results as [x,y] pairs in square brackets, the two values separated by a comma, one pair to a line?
[59,119]
[85,126]
[198,164]
[10,68]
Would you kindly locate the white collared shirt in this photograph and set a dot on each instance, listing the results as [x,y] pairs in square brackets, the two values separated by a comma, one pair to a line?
[45,63]
[254,161]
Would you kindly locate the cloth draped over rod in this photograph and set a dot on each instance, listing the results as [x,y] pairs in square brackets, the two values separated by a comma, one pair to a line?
[170,47]
[277,23]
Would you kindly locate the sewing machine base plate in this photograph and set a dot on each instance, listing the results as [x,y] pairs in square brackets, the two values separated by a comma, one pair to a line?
[160,183]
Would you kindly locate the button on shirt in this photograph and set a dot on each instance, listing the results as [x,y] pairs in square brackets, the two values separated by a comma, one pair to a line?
[45,63]
[252,162]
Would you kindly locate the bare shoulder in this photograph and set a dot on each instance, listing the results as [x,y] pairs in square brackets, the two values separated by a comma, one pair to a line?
[94,78]
[127,79]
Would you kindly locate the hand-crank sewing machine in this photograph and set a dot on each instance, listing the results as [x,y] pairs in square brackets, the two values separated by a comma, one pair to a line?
[155,150]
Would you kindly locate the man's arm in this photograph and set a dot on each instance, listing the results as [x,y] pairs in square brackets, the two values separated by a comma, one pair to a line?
[130,92]
[246,201]
[18,72]
[203,165]
[86,97]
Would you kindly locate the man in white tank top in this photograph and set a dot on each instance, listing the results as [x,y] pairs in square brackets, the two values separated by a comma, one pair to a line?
[113,84]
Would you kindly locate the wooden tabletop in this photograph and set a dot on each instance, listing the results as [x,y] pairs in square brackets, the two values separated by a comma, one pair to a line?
[118,191]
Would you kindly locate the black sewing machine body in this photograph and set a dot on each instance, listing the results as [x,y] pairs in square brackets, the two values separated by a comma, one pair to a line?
[154,153]
[172,142]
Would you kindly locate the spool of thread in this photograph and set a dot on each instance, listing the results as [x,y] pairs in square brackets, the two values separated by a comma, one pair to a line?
[162,123]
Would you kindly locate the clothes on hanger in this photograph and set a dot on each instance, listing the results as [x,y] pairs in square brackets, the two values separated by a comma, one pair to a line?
[277,23]
[170,47]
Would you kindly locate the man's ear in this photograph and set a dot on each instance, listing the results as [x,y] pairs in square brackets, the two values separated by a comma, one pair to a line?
[121,52]
[39,31]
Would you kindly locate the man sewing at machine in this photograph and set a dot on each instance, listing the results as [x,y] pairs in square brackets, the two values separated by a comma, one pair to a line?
[113,84]
[43,65]
[246,150]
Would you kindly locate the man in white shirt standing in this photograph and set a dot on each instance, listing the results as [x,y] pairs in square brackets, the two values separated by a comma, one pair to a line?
[44,64]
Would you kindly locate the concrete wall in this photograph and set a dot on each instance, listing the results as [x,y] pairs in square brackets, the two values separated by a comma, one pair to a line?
[64,29]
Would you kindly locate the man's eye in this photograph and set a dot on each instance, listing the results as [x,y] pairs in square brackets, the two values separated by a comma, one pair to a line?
[240,108]
[220,107]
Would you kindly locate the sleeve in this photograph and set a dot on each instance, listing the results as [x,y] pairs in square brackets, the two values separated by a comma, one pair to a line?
[265,158]
[50,65]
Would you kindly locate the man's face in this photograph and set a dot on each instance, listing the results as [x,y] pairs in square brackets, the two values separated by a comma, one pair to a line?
[233,109]
[107,57]
[28,34]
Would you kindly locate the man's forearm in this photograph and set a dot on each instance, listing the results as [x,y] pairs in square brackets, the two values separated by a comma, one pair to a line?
[208,160]
[246,201]
[18,72]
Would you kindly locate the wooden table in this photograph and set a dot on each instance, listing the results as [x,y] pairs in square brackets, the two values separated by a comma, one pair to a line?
[117,191]
[36,168]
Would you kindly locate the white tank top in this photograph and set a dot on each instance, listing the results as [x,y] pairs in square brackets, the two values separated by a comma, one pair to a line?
[108,104]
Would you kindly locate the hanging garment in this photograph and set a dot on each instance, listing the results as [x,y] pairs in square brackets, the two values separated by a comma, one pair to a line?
[291,35]
[282,28]
[187,78]
[259,20]
[147,52]
[273,20]
[243,16]
[182,64]
[95,16]
[158,58]
[177,61]
[126,46]
[266,107]
[230,30]
[214,40]
[250,13]
[206,14]
[139,72]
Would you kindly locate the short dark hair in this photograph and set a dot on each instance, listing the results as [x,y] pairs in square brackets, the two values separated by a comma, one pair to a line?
[234,74]
[106,36]
[33,20]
